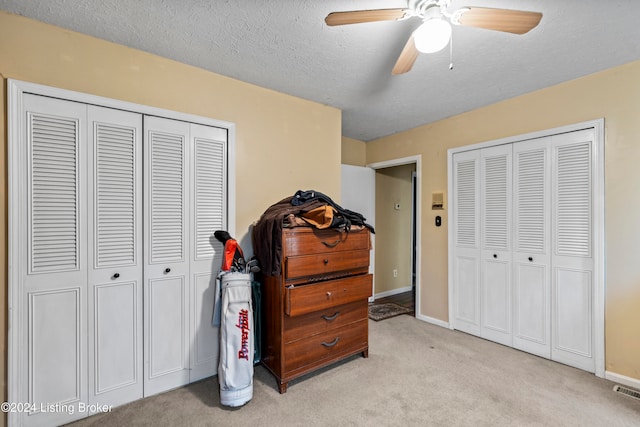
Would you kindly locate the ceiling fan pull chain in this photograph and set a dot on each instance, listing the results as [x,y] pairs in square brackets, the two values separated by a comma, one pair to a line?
[451,52]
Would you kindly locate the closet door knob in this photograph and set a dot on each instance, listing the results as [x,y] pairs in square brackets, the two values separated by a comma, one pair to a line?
[167,270]
[495,255]
[116,275]
[530,259]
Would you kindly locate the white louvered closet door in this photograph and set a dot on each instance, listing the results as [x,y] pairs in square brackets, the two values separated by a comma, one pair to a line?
[532,252]
[166,267]
[544,195]
[208,213]
[53,263]
[572,281]
[495,284]
[466,232]
[185,202]
[115,256]
[112,256]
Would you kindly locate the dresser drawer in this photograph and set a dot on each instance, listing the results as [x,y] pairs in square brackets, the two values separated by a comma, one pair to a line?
[306,241]
[323,295]
[325,345]
[306,325]
[326,264]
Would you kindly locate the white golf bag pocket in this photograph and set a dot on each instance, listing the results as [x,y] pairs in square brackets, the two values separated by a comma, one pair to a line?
[235,369]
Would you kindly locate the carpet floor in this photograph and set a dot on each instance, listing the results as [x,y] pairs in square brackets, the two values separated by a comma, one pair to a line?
[417,374]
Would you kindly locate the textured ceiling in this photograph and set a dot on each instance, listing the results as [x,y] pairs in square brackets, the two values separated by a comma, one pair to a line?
[286,46]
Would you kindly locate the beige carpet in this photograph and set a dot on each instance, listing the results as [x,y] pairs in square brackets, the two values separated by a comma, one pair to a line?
[417,374]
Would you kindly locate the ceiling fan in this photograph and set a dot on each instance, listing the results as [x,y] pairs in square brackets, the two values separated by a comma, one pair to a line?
[435,32]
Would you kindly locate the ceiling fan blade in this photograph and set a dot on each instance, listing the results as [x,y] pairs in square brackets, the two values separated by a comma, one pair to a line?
[361,16]
[406,59]
[509,21]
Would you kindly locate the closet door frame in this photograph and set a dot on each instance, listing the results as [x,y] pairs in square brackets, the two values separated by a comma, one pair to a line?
[598,224]
[15,132]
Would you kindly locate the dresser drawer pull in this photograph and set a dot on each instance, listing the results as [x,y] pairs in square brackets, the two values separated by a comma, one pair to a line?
[330,318]
[331,245]
[332,343]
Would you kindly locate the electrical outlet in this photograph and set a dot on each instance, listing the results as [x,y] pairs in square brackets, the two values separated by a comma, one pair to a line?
[395,273]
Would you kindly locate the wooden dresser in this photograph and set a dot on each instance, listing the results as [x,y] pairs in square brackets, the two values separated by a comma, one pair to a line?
[316,310]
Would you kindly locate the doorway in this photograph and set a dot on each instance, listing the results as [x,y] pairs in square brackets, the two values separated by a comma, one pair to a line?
[398,202]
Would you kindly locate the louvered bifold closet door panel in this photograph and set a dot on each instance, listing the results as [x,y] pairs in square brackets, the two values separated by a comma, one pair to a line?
[210,189]
[166,266]
[115,241]
[168,197]
[466,214]
[572,277]
[496,201]
[572,235]
[496,198]
[53,262]
[54,191]
[208,207]
[466,232]
[531,256]
[115,192]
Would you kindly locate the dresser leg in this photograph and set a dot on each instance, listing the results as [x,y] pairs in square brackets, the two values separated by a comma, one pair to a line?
[365,353]
[283,387]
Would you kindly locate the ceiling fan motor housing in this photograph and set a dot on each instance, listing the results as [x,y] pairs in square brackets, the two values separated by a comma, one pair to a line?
[421,7]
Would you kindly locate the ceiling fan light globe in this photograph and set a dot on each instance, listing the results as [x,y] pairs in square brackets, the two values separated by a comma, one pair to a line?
[432,36]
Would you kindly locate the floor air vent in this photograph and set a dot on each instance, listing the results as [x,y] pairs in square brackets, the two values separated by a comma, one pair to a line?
[626,391]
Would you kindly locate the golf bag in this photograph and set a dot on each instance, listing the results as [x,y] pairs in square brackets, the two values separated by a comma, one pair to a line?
[233,313]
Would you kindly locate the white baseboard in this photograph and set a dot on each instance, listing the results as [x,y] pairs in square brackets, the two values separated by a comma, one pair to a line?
[433,321]
[623,380]
[391,292]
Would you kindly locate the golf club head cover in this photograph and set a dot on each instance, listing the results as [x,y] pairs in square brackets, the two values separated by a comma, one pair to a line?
[232,254]
[222,236]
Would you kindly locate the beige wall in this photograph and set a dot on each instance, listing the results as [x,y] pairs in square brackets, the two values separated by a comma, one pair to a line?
[393,228]
[613,95]
[354,152]
[276,134]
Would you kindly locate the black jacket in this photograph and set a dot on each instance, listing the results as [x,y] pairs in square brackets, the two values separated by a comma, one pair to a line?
[267,232]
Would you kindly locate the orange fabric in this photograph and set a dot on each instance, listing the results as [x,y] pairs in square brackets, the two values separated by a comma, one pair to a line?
[231,251]
[320,217]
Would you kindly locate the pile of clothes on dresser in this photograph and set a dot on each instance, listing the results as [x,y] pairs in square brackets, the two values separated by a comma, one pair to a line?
[305,208]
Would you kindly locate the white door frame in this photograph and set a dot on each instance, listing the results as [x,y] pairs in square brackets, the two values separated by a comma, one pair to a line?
[417,160]
[598,221]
